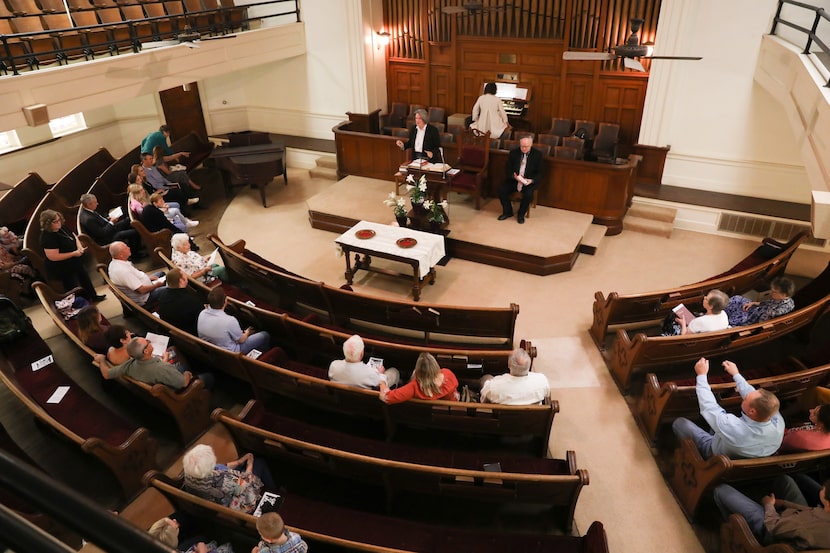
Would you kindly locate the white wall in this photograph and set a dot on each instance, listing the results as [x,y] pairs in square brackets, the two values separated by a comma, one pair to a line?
[726,133]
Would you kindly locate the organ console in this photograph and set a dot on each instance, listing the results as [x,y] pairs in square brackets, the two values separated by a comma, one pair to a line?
[515,99]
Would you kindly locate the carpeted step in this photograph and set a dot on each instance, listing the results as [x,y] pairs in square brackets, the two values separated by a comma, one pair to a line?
[590,241]
[657,213]
[323,173]
[647,226]
[329,162]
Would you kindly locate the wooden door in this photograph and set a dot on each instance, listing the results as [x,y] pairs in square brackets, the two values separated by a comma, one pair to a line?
[183,111]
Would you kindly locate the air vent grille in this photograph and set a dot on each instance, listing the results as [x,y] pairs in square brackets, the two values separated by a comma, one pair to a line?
[752,225]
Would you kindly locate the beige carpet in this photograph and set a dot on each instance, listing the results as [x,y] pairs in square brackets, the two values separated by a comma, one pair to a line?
[626,491]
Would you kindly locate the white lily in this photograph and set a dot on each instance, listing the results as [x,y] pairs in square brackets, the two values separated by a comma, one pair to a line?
[427,204]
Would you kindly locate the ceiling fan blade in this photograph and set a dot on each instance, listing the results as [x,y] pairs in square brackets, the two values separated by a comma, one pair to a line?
[631,63]
[567,55]
[673,58]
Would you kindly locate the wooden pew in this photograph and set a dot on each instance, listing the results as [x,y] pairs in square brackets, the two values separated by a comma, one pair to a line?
[18,204]
[632,353]
[736,537]
[661,403]
[79,179]
[317,343]
[190,408]
[531,423]
[766,262]
[694,476]
[199,149]
[114,178]
[126,450]
[552,483]
[31,238]
[324,525]
[426,323]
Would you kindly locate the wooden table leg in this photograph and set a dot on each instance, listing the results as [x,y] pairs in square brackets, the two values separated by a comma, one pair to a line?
[431,276]
[349,272]
[416,282]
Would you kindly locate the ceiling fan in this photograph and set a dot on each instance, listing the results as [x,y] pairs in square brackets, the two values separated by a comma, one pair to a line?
[628,52]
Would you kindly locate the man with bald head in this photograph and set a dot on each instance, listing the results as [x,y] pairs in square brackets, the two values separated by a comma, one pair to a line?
[757,432]
[136,284]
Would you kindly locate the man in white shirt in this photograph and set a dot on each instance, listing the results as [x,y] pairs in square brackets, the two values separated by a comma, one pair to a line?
[520,387]
[137,285]
[354,372]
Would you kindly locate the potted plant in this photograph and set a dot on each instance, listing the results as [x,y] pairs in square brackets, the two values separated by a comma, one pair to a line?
[398,206]
[417,192]
[436,212]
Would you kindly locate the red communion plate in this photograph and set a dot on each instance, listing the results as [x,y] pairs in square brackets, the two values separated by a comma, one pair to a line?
[406,242]
[365,233]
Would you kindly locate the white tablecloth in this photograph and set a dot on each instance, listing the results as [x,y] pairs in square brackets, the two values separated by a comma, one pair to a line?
[428,251]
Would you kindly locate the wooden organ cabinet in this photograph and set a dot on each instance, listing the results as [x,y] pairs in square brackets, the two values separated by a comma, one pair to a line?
[515,98]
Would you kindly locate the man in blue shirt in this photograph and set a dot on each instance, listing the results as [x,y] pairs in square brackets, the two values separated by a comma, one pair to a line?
[756,433]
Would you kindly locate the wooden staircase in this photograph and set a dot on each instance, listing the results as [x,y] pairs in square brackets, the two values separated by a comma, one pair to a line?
[650,219]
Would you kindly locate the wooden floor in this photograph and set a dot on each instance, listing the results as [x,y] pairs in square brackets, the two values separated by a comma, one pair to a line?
[547,243]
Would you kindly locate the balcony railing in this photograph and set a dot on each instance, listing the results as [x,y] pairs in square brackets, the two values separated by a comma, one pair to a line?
[806,26]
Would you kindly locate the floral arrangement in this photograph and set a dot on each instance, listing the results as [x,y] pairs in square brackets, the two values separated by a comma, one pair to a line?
[417,192]
[397,204]
[436,215]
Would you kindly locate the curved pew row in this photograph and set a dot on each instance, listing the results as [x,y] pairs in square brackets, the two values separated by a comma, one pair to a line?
[318,343]
[766,262]
[310,386]
[554,484]
[79,179]
[639,351]
[324,525]
[29,371]
[190,407]
[18,204]
[429,324]
[661,403]
[736,537]
[695,477]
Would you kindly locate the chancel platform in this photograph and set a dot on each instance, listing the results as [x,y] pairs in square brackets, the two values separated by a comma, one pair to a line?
[549,241]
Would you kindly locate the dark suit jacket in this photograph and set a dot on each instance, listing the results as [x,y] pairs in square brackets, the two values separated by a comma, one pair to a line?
[534,168]
[99,228]
[155,220]
[432,142]
[180,307]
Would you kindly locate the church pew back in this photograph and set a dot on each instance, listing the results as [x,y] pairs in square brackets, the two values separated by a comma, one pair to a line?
[451,478]
[189,407]
[126,450]
[433,323]
[766,262]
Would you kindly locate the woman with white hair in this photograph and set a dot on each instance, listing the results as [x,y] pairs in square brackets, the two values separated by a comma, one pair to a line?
[237,484]
[195,265]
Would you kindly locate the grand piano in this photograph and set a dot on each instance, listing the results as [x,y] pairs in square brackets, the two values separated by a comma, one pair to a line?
[249,158]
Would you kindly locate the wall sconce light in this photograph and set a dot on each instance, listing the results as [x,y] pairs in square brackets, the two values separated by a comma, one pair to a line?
[382,38]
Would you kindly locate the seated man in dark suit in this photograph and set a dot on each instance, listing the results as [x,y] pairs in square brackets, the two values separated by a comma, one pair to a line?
[106,231]
[522,173]
[424,139]
[178,304]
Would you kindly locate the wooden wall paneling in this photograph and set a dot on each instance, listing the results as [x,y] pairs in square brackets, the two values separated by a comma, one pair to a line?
[469,89]
[545,101]
[576,97]
[621,100]
[440,90]
[406,82]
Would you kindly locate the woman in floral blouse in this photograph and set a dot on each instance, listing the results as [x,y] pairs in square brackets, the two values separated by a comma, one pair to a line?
[195,265]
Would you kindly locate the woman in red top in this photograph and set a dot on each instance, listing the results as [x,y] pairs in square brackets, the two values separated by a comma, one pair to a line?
[429,381]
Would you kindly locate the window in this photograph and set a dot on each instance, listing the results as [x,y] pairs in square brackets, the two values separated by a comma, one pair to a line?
[9,141]
[67,125]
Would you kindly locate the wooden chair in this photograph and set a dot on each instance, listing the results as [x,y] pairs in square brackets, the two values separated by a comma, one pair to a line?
[577,144]
[509,144]
[152,240]
[439,126]
[564,152]
[552,140]
[561,126]
[587,126]
[605,143]
[400,132]
[495,144]
[164,26]
[517,196]
[437,115]
[473,160]
[447,138]
[396,116]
